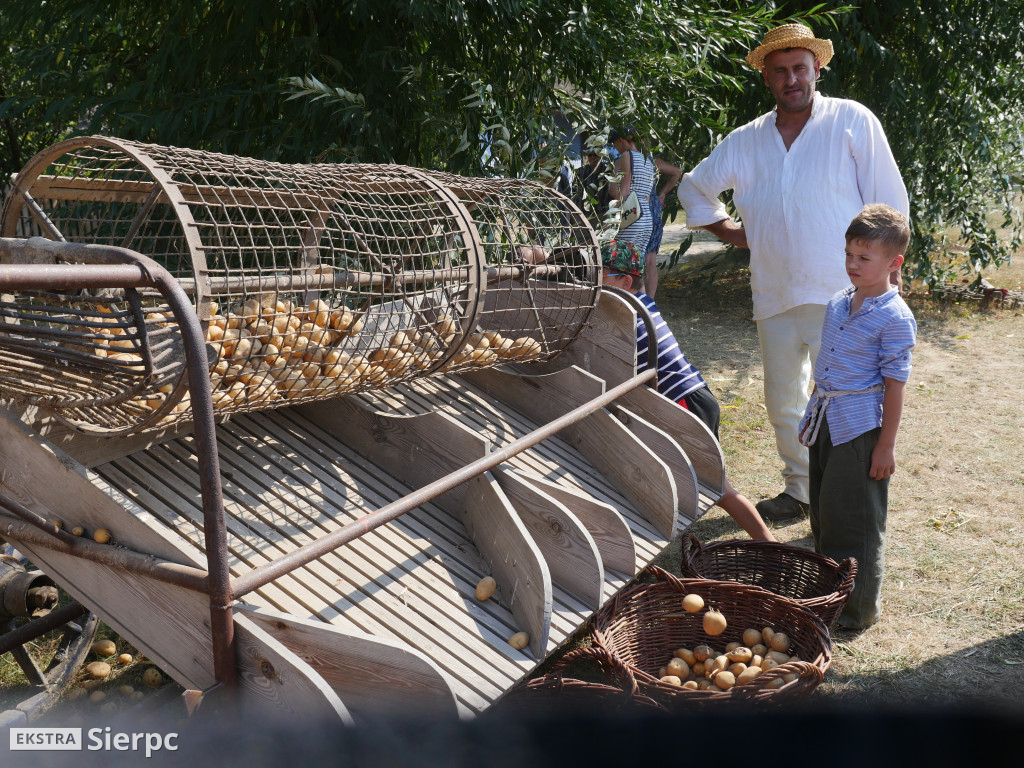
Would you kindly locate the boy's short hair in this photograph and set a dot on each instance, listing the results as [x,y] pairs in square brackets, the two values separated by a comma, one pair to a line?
[881,223]
[623,256]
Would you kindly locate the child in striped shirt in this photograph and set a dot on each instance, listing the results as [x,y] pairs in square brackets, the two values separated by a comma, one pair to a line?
[678,380]
[854,413]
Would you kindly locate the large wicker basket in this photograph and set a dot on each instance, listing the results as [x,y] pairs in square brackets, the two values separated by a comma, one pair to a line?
[818,583]
[616,692]
[645,624]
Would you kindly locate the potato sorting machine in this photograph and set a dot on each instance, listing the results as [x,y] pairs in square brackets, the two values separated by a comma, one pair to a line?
[312,406]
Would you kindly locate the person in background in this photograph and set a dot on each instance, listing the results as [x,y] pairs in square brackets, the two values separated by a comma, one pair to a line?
[668,177]
[851,421]
[637,174]
[592,188]
[622,266]
[799,175]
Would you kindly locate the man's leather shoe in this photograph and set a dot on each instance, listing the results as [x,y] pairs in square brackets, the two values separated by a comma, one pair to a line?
[782,508]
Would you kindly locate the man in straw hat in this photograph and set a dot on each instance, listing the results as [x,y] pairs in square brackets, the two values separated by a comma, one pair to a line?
[799,175]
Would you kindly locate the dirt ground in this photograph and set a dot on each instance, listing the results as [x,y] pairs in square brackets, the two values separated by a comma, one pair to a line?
[952,629]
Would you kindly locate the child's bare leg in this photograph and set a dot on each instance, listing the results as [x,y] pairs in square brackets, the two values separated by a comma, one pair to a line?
[743,512]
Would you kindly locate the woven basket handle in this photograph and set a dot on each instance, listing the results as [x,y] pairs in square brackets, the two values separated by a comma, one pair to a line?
[802,668]
[610,664]
[690,547]
[662,575]
[848,570]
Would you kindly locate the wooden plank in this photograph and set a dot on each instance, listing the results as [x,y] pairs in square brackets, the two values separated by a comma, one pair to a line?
[542,398]
[370,674]
[690,432]
[273,679]
[568,548]
[668,450]
[553,458]
[515,561]
[44,479]
[447,534]
[609,530]
[170,624]
[631,465]
[418,449]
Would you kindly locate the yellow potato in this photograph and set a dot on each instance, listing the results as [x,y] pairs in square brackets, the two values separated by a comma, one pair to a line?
[686,655]
[78,531]
[152,677]
[679,668]
[101,536]
[732,646]
[759,649]
[725,680]
[98,670]
[766,635]
[714,622]
[103,648]
[698,668]
[125,658]
[741,654]
[519,640]
[779,642]
[737,668]
[691,685]
[672,680]
[97,696]
[747,675]
[703,652]
[693,603]
[485,588]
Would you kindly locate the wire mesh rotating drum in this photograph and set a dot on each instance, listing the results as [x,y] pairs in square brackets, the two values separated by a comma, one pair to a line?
[309,281]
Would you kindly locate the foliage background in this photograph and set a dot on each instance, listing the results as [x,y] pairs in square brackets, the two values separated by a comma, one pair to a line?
[490,86]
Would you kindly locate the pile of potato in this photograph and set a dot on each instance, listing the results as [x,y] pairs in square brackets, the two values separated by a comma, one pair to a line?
[265,353]
[704,668]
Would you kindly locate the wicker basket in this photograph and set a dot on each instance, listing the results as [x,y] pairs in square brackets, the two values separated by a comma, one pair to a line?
[617,692]
[818,583]
[644,625]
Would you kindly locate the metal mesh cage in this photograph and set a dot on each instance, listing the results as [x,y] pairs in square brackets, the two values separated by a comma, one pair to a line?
[309,281]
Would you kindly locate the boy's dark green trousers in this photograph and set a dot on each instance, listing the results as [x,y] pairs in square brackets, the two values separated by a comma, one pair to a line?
[848,511]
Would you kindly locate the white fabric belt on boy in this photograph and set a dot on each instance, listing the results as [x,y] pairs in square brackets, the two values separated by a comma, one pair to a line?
[819,401]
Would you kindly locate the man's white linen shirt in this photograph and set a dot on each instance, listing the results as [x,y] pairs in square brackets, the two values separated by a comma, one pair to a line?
[796,205]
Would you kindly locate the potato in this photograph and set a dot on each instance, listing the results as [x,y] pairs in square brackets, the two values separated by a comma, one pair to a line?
[153,677]
[97,696]
[778,682]
[779,642]
[759,649]
[703,685]
[737,668]
[138,696]
[703,652]
[672,680]
[103,648]
[125,658]
[766,635]
[699,669]
[78,531]
[747,675]
[519,640]
[77,693]
[662,672]
[693,603]
[485,588]
[732,646]
[767,664]
[686,655]
[789,677]
[98,670]
[725,680]
[678,668]
[778,657]
[714,622]
[751,637]
[741,654]
[101,536]
[125,690]
[756,661]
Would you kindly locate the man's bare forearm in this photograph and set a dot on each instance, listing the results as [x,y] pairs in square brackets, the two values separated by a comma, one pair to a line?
[728,231]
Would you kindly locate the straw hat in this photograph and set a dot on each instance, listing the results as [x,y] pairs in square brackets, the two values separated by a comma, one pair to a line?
[790,36]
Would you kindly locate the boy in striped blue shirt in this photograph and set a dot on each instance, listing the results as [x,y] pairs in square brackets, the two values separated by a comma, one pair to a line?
[678,380]
[854,413]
